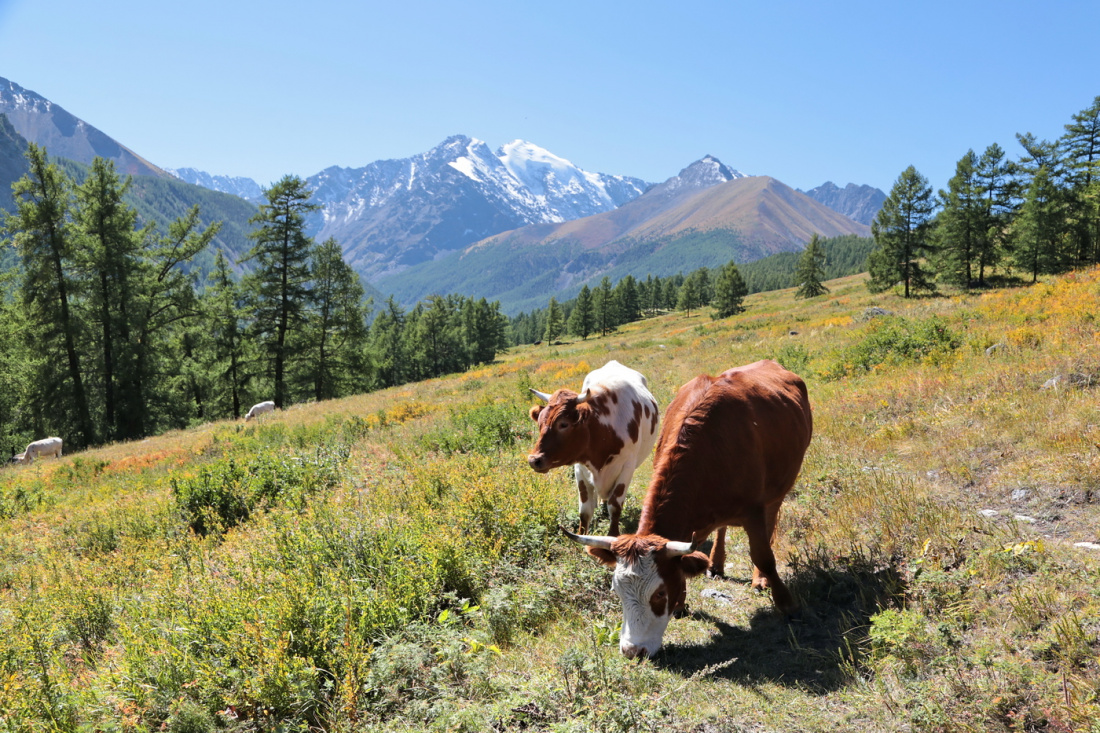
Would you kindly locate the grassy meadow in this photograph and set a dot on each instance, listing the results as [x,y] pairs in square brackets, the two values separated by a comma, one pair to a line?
[389,562]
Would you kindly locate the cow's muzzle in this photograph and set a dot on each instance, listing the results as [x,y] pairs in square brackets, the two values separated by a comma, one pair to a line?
[538,462]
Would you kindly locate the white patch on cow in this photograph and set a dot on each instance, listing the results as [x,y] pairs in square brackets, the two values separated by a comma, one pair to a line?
[629,386]
[642,629]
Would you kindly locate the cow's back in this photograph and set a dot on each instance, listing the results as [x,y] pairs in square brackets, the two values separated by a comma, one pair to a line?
[728,442]
[622,401]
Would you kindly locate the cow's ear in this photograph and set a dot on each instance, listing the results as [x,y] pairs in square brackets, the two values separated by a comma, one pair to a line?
[535,410]
[607,557]
[694,564]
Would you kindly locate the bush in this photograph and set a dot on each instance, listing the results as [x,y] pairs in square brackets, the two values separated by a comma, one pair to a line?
[896,340]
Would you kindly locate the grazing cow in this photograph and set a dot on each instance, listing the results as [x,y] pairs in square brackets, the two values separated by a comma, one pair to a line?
[730,450]
[40,449]
[260,409]
[606,432]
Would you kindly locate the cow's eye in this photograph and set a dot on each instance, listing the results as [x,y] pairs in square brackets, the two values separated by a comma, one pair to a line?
[563,425]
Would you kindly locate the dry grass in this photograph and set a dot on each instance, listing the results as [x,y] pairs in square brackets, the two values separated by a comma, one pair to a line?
[931,539]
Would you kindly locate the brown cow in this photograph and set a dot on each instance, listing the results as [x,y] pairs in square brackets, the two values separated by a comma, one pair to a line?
[606,432]
[730,450]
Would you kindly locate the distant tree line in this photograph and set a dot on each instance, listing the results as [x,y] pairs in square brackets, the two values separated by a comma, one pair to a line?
[1038,215]
[109,331]
[598,311]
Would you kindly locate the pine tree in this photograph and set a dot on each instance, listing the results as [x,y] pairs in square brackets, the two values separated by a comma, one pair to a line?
[994,182]
[729,292]
[1040,228]
[336,325]
[1081,142]
[626,296]
[900,230]
[603,305]
[43,234]
[688,299]
[223,308]
[811,270]
[387,345]
[961,225]
[279,284]
[583,318]
[555,323]
[110,255]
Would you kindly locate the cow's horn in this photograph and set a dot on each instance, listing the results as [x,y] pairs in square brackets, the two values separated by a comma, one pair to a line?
[603,542]
[583,397]
[541,395]
[684,548]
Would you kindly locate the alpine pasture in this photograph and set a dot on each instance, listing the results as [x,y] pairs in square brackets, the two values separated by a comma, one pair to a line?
[390,561]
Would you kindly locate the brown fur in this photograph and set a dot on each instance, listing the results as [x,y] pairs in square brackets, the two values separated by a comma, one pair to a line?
[730,450]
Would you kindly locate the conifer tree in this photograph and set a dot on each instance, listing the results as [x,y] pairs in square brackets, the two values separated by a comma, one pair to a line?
[688,299]
[626,296]
[387,345]
[279,284]
[223,307]
[110,255]
[994,182]
[43,234]
[603,305]
[900,230]
[336,325]
[729,292]
[555,323]
[1081,142]
[583,318]
[810,270]
[961,225]
[1040,228]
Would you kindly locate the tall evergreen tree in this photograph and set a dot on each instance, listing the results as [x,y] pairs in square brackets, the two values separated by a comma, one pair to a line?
[729,292]
[811,269]
[165,299]
[44,236]
[688,299]
[110,255]
[555,322]
[626,296]
[1081,142]
[900,230]
[387,345]
[993,176]
[336,325]
[961,225]
[583,318]
[1040,228]
[224,311]
[279,284]
[603,305]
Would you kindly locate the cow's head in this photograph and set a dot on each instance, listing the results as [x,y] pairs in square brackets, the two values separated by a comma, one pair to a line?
[563,436]
[650,578]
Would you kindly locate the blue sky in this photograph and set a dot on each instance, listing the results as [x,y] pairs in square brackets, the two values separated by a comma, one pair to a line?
[802,91]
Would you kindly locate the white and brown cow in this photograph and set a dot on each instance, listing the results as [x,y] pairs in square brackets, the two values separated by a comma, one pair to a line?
[40,449]
[730,450]
[606,432]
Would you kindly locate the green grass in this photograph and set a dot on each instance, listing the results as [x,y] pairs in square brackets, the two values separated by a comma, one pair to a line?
[389,561]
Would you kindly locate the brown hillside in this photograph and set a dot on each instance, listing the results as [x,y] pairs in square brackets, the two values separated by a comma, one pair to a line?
[766,212]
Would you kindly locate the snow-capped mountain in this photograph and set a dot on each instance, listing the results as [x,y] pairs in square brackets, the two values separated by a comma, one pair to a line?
[394,213]
[241,186]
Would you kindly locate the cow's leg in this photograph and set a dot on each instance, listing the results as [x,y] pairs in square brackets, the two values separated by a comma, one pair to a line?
[718,554]
[615,507]
[764,572]
[586,494]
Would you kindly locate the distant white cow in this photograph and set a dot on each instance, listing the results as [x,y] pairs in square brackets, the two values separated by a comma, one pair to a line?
[260,409]
[39,449]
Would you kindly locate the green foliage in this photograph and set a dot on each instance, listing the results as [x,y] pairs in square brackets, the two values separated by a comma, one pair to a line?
[229,490]
[901,233]
[896,340]
[485,428]
[811,270]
